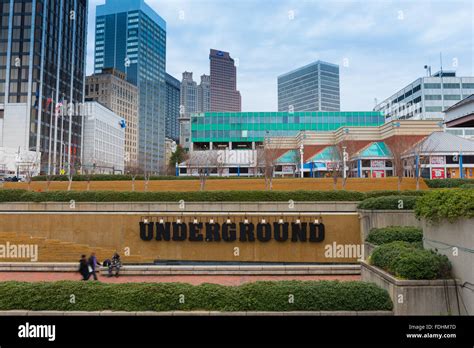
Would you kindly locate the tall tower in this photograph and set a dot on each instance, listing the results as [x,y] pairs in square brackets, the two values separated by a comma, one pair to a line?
[42,71]
[224,93]
[204,94]
[313,87]
[131,37]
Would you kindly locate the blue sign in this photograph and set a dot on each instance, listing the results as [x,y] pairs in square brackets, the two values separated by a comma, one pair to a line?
[122,123]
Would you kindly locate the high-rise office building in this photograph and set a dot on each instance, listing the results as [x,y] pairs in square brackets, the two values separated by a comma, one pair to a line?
[42,70]
[194,98]
[223,83]
[173,95]
[131,37]
[313,87]
[427,97]
[104,141]
[110,88]
[188,105]
[204,94]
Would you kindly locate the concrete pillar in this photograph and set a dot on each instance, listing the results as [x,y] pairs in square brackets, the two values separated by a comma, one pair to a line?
[230,145]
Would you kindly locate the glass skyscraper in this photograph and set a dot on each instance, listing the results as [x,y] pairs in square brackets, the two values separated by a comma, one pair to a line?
[173,89]
[42,71]
[131,37]
[313,87]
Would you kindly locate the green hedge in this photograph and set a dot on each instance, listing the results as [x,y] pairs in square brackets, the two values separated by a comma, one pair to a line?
[467,186]
[390,234]
[258,296]
[7,195]
[195,196]
[447,183]
[126,177]
[375,194]
[398,202]
[446,204]
[406,260]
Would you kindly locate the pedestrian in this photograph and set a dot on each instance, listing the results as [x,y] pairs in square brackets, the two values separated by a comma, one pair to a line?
[84,268]
[115,263]
[93,263]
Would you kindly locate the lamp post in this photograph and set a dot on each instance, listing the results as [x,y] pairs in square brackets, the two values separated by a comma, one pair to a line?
[301,160]
[344,160]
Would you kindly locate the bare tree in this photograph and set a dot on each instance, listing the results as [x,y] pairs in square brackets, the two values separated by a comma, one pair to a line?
[334,166]
[133,169]
[343,148]
[418,156]
[202,162]
[267,157]
[398,147]
[30,168]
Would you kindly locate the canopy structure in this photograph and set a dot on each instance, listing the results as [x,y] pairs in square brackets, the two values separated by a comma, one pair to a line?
[375,150]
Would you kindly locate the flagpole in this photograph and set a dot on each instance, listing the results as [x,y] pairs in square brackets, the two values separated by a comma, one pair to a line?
[55,138]
[62,138]
[50,132]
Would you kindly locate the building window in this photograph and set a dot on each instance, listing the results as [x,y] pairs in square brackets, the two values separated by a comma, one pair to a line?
[433,97]
[432,85]
[451,85]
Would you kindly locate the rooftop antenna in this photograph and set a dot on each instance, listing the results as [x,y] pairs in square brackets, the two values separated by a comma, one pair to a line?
[428,70]
[441,62]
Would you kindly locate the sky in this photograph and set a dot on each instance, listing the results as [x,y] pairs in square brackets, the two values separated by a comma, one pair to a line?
[379,45]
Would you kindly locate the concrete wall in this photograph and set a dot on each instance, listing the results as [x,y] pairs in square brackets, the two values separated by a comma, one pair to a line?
[456,241]
[382,218]
[416,297]
[116,225]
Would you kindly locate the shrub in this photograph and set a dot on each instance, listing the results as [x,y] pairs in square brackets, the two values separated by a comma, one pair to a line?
[373,194]
[194,196]
[467,186]
[406,260]
[258,296]
[447,183]
[390,234]
[446,204]
[388,203]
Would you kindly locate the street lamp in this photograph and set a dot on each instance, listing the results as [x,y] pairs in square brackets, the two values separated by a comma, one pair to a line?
[345,158]
[301,160]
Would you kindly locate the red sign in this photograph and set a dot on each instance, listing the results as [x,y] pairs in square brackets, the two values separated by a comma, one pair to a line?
[437,173]
[378,173]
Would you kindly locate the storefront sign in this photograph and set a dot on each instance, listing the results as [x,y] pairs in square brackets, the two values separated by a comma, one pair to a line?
[437,173]
[245,231]
[377,163]
[437,160]
[378,173]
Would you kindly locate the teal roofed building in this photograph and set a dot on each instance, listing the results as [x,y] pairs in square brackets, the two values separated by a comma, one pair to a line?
[242,130]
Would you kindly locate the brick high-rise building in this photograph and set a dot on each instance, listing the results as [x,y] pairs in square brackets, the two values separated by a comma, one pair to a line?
[111,89]
[223,90]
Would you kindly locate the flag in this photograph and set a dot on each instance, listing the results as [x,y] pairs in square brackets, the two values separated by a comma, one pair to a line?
[36,101]
[48,101]
[59,106]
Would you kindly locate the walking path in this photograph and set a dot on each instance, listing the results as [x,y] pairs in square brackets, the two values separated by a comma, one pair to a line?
[191,279]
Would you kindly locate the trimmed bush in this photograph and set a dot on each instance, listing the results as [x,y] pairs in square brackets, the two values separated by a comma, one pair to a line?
[390,234]
[194,196]
[258,296]
[389,203]
[406,260]
[446,204]
[126,177]
[374,194]
[447,183]
[467,186]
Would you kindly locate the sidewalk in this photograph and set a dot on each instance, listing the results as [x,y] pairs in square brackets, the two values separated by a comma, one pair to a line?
[191,279]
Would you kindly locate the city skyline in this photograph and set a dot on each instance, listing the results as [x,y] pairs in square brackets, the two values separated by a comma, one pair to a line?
[379,46]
